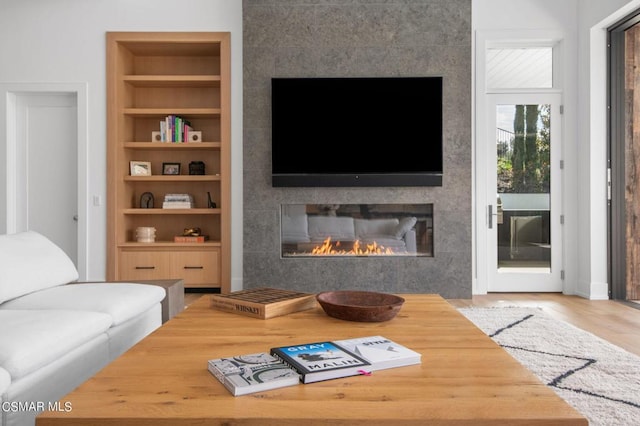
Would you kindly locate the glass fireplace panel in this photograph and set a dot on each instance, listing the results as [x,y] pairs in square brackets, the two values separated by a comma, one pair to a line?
[309,230]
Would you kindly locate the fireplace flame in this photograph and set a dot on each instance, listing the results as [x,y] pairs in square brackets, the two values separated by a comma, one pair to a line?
[327,248]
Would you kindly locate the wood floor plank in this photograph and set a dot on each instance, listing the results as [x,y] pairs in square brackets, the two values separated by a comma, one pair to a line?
[611,320]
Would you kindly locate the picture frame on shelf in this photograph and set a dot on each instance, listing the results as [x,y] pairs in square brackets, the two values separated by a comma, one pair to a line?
[140,168]
[170,168]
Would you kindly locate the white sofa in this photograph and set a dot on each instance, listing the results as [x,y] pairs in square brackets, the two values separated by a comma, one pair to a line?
[56,333]
[393,233]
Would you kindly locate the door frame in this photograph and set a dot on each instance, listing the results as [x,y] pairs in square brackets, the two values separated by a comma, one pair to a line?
[563,71]
[8,189]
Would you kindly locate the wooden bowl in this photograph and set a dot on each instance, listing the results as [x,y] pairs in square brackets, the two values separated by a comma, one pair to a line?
[362,306]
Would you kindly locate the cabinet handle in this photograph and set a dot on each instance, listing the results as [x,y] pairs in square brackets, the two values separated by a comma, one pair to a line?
[194,267]
[145,267]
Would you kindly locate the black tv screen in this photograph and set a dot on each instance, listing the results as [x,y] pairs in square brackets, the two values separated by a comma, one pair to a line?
[384,131]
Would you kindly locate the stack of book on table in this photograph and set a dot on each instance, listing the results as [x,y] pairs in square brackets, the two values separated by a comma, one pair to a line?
[177,201]
[250,373]
[310,362]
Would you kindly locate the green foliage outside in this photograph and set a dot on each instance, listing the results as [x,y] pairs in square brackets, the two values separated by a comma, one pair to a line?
[527,169]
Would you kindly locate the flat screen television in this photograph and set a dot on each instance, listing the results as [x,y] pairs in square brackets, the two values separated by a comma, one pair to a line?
[378,131]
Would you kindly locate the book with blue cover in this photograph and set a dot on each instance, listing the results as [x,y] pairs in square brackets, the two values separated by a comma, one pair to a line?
[321,361]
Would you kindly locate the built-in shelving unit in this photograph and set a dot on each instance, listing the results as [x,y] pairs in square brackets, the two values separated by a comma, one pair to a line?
[152,75]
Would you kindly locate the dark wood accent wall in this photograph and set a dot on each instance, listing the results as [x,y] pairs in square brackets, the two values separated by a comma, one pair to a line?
[632,161]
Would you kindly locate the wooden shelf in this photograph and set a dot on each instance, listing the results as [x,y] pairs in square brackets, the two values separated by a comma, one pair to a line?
[172,80]
[150,76]
[173,145]
[162,112]
[194,211]
[173,178]
[169,244]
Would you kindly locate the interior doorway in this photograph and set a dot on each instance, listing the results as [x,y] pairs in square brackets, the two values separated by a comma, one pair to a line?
[44,183]
[46,168]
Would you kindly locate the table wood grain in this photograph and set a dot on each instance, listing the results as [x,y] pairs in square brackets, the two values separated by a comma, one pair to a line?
[464,379]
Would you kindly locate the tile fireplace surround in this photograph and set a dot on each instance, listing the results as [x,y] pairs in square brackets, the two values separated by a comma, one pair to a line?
[311,38]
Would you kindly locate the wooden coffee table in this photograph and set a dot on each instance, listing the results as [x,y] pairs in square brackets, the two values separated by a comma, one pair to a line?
[464,379]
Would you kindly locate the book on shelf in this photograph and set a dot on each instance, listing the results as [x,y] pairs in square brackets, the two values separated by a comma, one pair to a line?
[243,374]
[381,352]
[175,129]
[177,201]
[176,205]
[321,361]
[190,238]
[263,302]
[178,198]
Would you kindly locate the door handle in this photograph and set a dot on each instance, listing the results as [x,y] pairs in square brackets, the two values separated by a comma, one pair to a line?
[490,215]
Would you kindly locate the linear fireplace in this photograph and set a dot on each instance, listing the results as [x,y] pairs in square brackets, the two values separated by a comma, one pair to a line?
[338,230]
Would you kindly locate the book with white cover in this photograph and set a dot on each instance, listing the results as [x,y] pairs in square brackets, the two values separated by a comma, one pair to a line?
[381,352]
[243,374]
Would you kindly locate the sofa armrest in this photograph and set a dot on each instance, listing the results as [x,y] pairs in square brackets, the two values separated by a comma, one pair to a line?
[410,241]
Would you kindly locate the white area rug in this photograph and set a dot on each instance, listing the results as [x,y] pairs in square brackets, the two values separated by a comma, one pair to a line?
[600,380]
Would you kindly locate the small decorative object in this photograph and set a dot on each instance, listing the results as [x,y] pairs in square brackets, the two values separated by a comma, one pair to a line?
[362,306]
[191,232]
[156,137]
[146,234]
[195,136]
[210,203]
[196,168]
[140,168]
[170,168]
[146,200]
[329,209]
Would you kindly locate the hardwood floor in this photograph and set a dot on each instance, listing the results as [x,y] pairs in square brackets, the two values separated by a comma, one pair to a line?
[611,320]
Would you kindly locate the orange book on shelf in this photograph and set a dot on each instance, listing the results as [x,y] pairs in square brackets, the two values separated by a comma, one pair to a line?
[190,238]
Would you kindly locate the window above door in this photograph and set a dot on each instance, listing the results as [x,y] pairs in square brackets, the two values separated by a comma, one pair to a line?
[519,67]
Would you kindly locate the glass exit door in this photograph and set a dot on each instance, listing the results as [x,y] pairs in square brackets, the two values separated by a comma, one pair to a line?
[524,211]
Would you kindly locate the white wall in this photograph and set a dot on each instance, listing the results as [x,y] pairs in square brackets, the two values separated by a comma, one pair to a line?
[584,22]
[64,41]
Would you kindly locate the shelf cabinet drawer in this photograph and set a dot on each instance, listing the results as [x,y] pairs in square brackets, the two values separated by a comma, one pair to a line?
[144,265]
[198,268]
